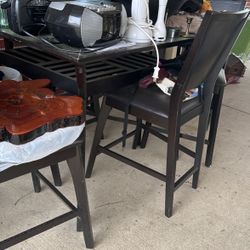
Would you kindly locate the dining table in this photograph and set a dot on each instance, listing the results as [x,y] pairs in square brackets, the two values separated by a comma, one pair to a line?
[80,71]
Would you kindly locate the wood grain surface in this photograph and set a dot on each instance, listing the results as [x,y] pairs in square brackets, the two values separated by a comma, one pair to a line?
[29,109]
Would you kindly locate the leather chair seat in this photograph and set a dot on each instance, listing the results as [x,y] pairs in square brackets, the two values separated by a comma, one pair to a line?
[151,104]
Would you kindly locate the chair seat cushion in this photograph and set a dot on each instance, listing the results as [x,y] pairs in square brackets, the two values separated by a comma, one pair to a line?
[150,104]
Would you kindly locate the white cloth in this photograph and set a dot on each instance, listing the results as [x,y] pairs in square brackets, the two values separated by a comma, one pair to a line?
[39,148]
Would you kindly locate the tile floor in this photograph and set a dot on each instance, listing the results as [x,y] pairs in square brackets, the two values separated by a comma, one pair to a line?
[127,206]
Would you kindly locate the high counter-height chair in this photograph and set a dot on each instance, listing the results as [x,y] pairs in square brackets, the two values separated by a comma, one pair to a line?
[204,61]
[142,138]
[40,129]
[73,155]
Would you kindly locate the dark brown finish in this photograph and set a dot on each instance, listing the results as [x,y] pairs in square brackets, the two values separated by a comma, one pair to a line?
[200,70]
[102,76]
[55,174]
[102,83]
[216,109]
[214,121]
[73,155]
[71,54]
[37,105]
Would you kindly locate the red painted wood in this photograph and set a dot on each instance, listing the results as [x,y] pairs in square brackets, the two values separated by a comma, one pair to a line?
[25,106]
[1,43]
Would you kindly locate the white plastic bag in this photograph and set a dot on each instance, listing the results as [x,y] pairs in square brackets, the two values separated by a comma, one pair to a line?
[39,148]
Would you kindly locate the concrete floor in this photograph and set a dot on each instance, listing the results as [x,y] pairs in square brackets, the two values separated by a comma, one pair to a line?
[127,206]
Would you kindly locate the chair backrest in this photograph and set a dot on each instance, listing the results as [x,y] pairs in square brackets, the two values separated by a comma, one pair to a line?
[211,47]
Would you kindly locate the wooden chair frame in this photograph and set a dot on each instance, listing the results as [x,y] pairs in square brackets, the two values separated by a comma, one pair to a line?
[73,155]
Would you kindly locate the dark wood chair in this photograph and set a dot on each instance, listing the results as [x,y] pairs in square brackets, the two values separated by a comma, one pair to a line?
[142,136]
[93,109]
[215,116]
[30,109]
[205,59]
[73,155]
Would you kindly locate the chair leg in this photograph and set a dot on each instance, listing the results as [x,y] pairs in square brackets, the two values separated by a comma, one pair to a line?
[97,108]
[137,137]
[145,139]
[217,102]
[56,175]
[36,182]
[96,105]
[173,140]
[199,146]
[145,135]
[103,116]
[76,166]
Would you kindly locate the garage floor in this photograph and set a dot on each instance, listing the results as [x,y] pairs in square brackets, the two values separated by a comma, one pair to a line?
[127,206]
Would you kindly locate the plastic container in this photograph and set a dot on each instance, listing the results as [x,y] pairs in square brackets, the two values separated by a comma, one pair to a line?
[11,74]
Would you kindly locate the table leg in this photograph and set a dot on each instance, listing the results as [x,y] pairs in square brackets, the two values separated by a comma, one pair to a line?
[82,91]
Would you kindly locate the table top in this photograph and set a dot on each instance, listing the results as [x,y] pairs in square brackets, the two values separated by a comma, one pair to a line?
[74,55]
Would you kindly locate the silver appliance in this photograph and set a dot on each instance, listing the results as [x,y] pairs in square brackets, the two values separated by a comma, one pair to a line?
[85,23]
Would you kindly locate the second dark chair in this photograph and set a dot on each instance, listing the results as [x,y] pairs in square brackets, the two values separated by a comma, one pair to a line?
[206,57]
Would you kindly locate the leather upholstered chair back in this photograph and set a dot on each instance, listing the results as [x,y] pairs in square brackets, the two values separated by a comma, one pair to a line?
[211,47]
